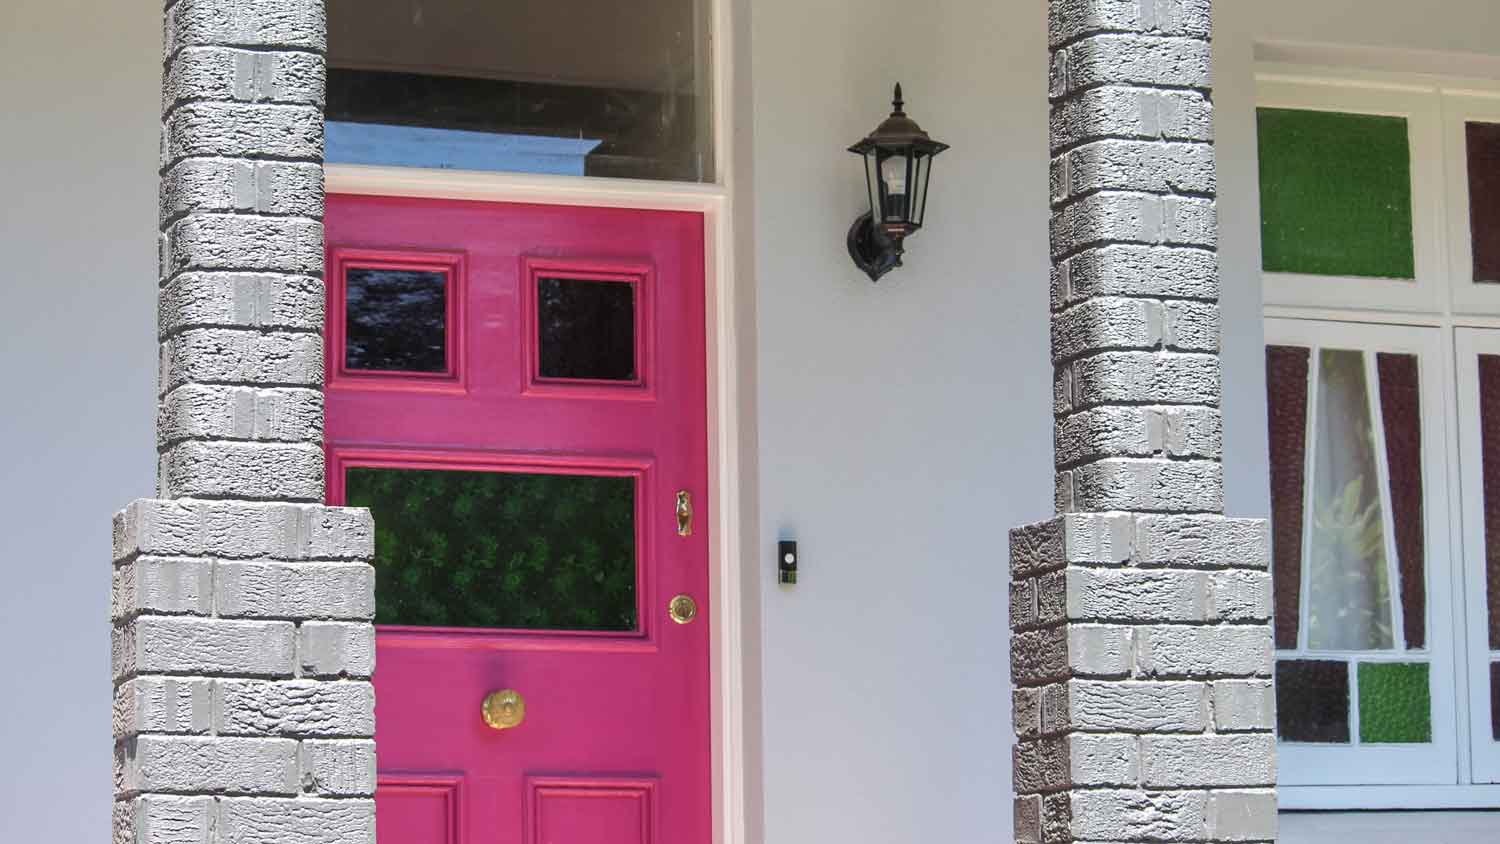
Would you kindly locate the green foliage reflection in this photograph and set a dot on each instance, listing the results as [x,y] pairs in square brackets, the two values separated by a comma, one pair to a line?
[494,549]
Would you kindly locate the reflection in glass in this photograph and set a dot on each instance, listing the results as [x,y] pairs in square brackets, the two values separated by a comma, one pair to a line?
[1348,590]
[581,87]
[586,329]
[501,550]
[395,320]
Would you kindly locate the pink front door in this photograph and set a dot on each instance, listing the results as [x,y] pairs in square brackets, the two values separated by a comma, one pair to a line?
[518,392]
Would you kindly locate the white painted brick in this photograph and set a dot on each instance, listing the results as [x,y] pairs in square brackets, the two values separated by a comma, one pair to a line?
[1133,595]
[195,185]
[1133,270]
[164,819]
[1038,656]
[338,768]
[220,412]
[1126,165]
[1240,595]
[163,705]
[1028,819]
[245,129]
[1023,612]
[1036,548]
[241,300]
[1096,760]
[221,73]
[1137,706]
[166,585]
[252,23]
[1243,815]
[1100,650]
[1138,431]
[1107,323]
[1131,112]
[1202,541]
[245,243]
[1041,765]
[196,764]
[241,529]
[1131,815]
[251,471]
[1208,761]
[295,590]
[1192,326]
[1241,705]
[1146,377]
[336,649]
[1199,651]
[300,821]
[1133,218]
[182,644]
[1071,19]
[1115,59]
[344,708]
[1026,712]
[232,356]
[1133,483]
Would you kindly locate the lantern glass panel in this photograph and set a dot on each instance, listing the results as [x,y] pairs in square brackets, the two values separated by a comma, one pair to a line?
[921,175]
[896,181]
[873,185]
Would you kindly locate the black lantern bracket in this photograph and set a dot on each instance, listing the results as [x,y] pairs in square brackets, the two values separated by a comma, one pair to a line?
[898,167]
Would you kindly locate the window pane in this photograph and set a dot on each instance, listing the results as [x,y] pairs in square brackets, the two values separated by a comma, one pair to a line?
[577,87]
[1495,700]
[1395,706]
[587,329]
[1286,402]
[1401,422]
[499,549]
[1312,701]
[1348,592]
[1489,428]
[396,320]
[1335,194]
[1483,141]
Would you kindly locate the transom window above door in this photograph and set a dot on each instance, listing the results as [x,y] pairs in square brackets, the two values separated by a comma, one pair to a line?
[567,87]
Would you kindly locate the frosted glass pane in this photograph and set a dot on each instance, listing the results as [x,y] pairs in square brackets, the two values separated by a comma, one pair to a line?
[1348,589]
[1395,704]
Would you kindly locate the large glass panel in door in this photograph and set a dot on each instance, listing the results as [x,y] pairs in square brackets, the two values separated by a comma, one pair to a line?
[572,87]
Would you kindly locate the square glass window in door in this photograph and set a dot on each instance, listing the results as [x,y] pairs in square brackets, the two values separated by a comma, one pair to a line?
[1347,546]
[501,549]
[395,319]
[1482,145]
[587,328]
[564,87]
[1336,194]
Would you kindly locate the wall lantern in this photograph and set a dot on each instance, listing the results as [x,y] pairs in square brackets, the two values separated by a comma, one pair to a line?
[898,163]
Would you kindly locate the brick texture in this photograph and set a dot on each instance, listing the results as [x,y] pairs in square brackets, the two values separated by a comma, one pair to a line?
[1141,654]
[242,607]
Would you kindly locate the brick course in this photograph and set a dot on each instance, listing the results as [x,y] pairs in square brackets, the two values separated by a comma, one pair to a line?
[1141,653]
[242,607]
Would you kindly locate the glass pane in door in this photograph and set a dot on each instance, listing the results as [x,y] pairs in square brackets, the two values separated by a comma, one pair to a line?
[495,549]
[569,87]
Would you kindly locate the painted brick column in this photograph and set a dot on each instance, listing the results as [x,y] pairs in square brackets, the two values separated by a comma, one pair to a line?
[242,635]
[1141,651]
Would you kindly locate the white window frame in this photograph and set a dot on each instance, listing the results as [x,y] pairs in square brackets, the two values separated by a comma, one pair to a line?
[1469,343]
[1411,764]
[1419,106]
[1466,317]
[1461,106]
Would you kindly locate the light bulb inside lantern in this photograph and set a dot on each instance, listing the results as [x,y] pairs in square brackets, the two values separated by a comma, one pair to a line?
[893,173]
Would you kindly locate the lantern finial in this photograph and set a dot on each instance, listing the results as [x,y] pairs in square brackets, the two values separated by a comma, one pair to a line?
[897,103]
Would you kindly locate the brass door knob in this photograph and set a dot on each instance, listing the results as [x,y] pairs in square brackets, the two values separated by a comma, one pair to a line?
[504,709]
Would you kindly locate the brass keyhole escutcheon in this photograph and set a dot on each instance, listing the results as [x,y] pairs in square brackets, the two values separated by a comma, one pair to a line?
[684,513]
[504,709]
[683,609]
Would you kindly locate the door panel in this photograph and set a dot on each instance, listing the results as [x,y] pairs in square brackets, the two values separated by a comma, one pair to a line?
[518,393]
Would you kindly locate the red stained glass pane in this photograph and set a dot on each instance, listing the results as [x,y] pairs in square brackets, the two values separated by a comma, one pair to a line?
[1286,403]
[1400,411]
[1484,198]
[1495,700]
[1489,427]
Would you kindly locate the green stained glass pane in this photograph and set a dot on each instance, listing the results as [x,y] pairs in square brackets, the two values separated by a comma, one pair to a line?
[501,549]
[1395,703]
[1335,194]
